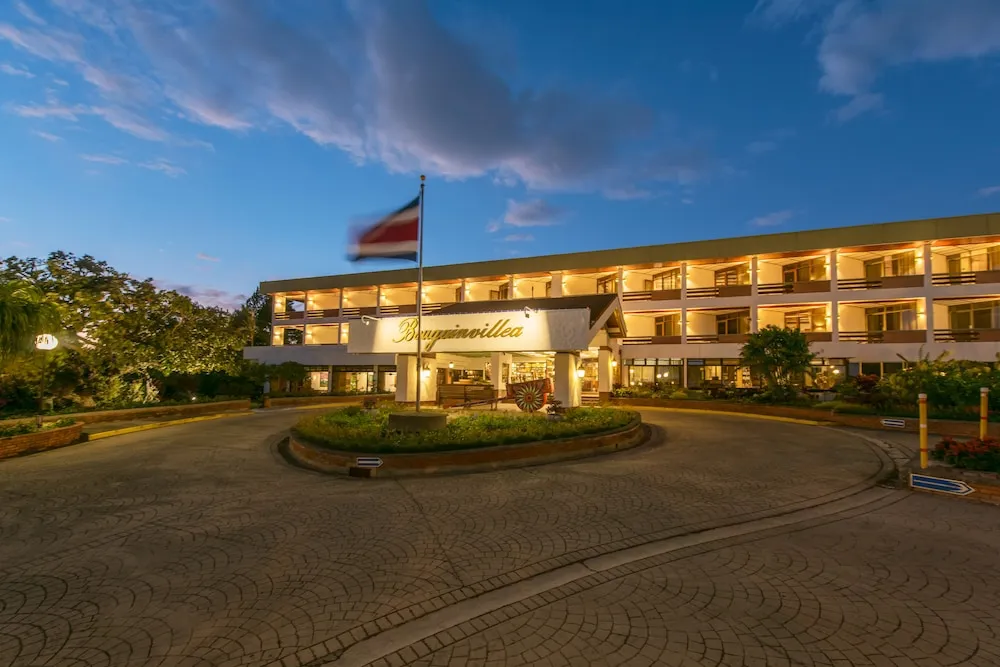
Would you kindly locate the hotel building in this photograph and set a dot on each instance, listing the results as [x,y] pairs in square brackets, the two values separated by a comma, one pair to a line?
[674,314]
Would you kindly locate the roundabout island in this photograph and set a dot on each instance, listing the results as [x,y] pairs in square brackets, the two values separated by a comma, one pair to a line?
[467,441]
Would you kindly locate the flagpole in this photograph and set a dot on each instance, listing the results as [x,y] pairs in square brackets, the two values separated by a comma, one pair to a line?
[420,291]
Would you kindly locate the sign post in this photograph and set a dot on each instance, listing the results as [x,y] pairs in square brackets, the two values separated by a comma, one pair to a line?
[923,431]
[984,411]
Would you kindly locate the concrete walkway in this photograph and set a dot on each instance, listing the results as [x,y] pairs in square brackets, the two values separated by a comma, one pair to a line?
[732,542]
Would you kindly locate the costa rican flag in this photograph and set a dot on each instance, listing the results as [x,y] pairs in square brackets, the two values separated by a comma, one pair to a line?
[395,236]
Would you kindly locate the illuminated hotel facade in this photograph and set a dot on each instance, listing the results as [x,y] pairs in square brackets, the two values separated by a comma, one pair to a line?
[674,314]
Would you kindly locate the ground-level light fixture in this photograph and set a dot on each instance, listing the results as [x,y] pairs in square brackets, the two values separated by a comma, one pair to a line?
[46,342]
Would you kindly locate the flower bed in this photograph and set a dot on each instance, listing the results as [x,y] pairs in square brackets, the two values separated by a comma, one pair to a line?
[356,430]
[972,454]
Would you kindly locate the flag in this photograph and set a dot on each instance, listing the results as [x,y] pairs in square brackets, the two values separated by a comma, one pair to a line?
[395,236]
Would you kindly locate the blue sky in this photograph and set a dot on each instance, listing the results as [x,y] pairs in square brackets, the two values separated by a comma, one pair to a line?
[213,144]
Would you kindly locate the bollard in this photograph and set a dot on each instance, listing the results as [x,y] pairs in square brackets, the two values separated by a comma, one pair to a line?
[923,431]
[984,411]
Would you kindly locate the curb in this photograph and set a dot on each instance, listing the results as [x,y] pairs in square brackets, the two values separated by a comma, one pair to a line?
[90,437]
[747,415]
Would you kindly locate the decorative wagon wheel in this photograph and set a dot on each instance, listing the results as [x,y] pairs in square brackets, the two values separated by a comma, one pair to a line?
[529,396]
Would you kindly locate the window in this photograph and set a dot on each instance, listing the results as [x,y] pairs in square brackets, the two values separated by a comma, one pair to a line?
[874,269]
[813,319]
[669,279]
[458,294]
[904,263]
[548,289]
[805,271]
[607,285]
[502,293]
[668,325]
[345,330]
[734,275]
[973,315]
[898,317]
[993,259]
[292,336]
[733,323]
[958,264]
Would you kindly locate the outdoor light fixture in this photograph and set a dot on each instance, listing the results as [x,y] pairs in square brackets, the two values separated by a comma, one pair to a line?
[580,372]
[368,319]
[426,372]
[529,311]
[836,371]
[46,342]
[451,364]
[613,363]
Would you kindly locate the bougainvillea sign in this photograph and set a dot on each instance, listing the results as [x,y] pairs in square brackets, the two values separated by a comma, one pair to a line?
[530,396]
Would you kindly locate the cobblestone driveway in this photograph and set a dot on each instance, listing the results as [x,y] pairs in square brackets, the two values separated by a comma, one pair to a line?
[195,545]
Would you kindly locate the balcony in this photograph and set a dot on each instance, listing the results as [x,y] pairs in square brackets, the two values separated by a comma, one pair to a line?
[819,336]
[966,335]
[290,316]
[806,287]
[652,295]
[403,309]
[891,337]
[887,282]
[321,313]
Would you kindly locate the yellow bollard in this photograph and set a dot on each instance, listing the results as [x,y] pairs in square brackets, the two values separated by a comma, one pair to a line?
[984,411]
[923,431]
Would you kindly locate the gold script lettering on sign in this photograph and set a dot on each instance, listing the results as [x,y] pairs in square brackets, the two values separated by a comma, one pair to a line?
[408,332]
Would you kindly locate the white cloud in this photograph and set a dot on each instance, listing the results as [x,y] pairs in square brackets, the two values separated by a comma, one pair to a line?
[12,70]
[861,40]
[104,159]
[626,193]
[532,213]
[382,82]
[163,166]
[3,219]
[206,296]
[986,192]
[206,258]
[63,112]
[28,13]
[48,136]
[773,219]
[687,201]
[494,226]
[516,238]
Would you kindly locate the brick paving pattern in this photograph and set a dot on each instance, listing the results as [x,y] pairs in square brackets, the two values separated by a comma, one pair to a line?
[196,545]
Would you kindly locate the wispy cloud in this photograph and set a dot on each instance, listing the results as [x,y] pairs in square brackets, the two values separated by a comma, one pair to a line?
[12,70]
[206,258]
[104,159]
[163,166]
[859,41]
[28,13]
[60,111]
[351,81]
[516,238]
[48,136]
[3,219]
[773,219]
[206,296]
[532,213]
[627,193]
[986,192]
[770,141]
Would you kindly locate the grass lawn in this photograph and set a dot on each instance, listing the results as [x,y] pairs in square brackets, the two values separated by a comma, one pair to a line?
[353,429]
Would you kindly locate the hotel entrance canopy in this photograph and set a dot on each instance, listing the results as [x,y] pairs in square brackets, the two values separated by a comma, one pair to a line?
[517,325]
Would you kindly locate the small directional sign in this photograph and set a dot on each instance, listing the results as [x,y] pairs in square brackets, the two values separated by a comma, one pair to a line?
[894,423]
[954,486]
[368,462]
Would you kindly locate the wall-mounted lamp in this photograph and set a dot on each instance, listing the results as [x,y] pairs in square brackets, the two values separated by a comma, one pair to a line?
[368,319]
[580,372]
[426,373]
[836,371]
[529,311]
[614,363]
[451,364]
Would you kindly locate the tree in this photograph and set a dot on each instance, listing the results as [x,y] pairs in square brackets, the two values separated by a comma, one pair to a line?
[24,313]
[254,319]
[777,356]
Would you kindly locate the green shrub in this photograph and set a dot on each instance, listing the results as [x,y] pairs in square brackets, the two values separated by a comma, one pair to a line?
[353,429]
[679,395]
[23,428]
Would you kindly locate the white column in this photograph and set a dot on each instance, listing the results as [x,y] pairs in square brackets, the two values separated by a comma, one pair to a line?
[929,317]
[378,299]
[496,368]
[557,284]
[340,305]
[461,294]
[605,377]
[928,267]
[753,318]
[684,280]
[406,371]
[567,384]
[620,283]
[428,381]
[510,287]
[834,302]
[375,373]
[833,270]
[753,283]
[684,326]
[835,320]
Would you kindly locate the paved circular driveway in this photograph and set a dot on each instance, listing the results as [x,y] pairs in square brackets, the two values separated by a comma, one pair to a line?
[196,545]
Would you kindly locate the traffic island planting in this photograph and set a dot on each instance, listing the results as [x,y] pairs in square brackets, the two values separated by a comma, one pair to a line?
[331,441]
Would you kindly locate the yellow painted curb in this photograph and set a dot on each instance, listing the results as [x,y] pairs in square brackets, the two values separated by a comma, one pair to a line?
[748,415]
[149,427]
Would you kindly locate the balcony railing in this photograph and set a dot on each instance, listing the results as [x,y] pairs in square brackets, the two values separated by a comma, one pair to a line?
[966,335]
[886,282]
[317,314]
[702,292]
[289,315]
[967,278]
[891,337]
[703,338]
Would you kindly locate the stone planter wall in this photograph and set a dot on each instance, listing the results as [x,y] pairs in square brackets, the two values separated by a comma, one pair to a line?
[142,413]
[18,445]
[287,401]
[935,426]
[471,460]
